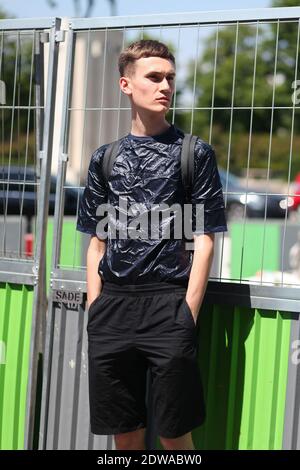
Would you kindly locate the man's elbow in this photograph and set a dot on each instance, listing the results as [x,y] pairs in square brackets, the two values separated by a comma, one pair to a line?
[97,244]
[205,243]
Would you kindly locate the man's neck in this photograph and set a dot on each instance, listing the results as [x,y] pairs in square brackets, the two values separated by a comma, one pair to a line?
[142,128]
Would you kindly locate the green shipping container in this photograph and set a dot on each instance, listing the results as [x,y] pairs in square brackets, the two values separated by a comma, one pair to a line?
[243,358]
[16,302]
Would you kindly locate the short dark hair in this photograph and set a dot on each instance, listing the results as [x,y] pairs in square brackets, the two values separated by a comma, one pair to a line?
[139,49]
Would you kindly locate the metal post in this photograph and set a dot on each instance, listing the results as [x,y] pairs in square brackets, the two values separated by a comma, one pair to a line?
[42,217]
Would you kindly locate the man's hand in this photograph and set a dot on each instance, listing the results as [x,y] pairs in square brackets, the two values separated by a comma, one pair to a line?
[89,302]
[95,253]
[202,259]
[194,306]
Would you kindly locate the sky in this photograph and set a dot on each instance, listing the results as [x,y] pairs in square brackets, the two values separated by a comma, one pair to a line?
[40,8]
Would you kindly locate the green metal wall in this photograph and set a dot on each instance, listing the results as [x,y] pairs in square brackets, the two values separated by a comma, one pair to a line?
[256,247]
[16,302]
[71,243]
[243,357]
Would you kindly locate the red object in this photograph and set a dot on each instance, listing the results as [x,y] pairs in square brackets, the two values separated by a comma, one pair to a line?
[296,193]
[28,238]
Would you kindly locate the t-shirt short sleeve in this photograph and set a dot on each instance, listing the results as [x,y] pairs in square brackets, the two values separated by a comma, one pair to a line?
[95,194]
[208,208]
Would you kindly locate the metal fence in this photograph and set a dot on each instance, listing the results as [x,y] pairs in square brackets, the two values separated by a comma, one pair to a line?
[258,50]
[26,150]
[96,112]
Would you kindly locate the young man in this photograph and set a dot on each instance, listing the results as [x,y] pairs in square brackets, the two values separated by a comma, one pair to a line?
[144,293]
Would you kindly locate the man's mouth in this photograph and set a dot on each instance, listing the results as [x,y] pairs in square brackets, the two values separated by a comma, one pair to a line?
[164,99]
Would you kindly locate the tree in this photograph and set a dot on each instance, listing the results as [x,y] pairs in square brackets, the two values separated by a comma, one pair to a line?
[5,14]
[17,90]
[247,74]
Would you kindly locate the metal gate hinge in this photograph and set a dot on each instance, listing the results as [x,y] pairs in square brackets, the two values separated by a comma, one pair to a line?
[35,270]
[44,37]
[64,157]
[42,154]
[60,36]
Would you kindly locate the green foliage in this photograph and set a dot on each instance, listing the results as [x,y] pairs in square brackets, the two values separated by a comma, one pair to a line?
[241,91]
[235,103]
[244,76]
[17,76]
[17,73]
[19,151]
[285,3]
[5,14]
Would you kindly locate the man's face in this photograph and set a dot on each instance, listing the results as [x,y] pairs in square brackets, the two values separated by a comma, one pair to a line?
[151,85]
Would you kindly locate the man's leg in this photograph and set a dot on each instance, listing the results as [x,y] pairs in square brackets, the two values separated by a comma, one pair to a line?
[134,440]
[117,371]
[184,442]
[171,349]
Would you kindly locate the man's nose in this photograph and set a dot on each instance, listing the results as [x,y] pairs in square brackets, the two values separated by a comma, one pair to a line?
[165,85]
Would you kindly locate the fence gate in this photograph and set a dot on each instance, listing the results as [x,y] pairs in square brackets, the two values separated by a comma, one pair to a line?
[94,112]
[27,113]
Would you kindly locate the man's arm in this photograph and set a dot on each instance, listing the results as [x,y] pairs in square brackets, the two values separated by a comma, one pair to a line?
[95,252]
[202,260]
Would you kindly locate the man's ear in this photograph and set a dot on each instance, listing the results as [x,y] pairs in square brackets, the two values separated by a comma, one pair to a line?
[125,85]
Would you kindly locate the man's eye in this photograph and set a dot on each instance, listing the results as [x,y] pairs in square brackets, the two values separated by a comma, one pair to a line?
[159,79]
[154,77]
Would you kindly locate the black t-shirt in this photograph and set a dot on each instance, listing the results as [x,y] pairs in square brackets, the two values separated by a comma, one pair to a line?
[146,177]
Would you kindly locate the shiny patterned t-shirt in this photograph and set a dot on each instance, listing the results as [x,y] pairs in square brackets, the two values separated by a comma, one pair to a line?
[142,244]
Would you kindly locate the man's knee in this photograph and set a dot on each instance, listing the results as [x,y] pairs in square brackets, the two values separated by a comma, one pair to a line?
[184,442]
[134,440]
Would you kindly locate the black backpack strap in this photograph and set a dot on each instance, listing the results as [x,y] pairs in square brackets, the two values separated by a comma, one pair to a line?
[109,157]
[187,163]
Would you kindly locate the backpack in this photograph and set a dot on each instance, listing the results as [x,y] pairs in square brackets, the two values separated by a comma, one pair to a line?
[187,162]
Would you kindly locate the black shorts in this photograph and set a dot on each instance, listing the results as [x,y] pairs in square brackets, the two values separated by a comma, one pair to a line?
[133,328]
